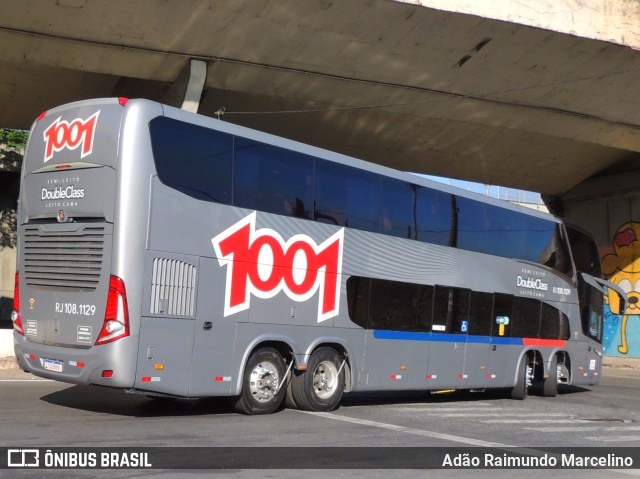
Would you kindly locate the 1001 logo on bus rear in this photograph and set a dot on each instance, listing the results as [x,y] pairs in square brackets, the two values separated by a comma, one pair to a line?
[62,134]
[261,263]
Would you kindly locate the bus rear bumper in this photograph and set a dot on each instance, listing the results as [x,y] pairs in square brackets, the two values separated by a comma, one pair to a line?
[106,365]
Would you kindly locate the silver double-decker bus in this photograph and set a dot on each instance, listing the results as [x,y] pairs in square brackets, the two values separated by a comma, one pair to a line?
[179,256]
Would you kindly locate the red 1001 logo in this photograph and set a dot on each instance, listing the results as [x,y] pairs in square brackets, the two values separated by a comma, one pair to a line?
[261,263]
[63,134]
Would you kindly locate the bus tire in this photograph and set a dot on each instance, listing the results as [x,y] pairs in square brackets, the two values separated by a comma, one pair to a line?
[519,391]
[320,386]
[550,384]
[290,401]
[262,376]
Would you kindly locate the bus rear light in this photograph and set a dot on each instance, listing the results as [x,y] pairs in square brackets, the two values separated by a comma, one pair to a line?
[107,373]
[16,319]
[41,116]
[116,318]
[123,101]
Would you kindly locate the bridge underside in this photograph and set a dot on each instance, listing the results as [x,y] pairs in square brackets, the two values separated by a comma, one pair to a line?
[410,87]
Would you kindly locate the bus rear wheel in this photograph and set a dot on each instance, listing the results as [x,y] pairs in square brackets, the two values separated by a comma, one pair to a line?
[261,392]
[550,384]
[523,381]
[320,387]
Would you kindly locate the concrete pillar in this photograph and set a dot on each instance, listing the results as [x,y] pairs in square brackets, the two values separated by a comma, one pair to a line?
[609,208]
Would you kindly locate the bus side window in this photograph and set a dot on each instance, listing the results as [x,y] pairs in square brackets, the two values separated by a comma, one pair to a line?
[450,310]
[393,305]
[358,289]
[347,196]
[554,324]
[480,313]
[425,307]
[272,179]
[526,318]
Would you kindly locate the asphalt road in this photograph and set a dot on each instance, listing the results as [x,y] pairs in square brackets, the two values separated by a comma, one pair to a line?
[39,413]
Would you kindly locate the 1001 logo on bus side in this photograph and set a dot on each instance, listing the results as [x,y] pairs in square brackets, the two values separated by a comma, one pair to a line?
[261,263]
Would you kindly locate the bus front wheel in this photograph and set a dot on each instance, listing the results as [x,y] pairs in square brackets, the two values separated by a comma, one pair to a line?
[320,386]
[261,391]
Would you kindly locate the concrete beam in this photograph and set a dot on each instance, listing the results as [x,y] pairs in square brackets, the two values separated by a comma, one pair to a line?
[613,21]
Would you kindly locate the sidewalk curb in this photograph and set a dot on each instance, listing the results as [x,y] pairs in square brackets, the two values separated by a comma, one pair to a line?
[8,363]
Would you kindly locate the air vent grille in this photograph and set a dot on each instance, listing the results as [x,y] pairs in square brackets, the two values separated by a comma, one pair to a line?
[173,287]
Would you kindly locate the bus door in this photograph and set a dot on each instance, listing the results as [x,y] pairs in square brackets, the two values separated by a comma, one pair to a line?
[167,323]
[484,362]
[449,329]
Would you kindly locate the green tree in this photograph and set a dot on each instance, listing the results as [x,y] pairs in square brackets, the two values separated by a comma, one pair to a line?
[15,139]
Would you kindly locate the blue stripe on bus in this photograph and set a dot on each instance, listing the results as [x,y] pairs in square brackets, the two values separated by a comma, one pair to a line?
[445,338]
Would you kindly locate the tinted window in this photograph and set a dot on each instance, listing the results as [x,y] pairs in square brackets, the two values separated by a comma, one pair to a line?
[272,179]
[553,324]
[471,225]
[450,310]
[526,318]
[192,159]
[585,252]
[546,246]
[591,309]
[347,196]
[492,230]
[434,217]
[393,305]
[481,314]
[358,299]
[425,307]
[415,212]
[399,208]
[507,233]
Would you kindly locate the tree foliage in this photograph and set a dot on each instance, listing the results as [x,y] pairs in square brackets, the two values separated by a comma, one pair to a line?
[16,139]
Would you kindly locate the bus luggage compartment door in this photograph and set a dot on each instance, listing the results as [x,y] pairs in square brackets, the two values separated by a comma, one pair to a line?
[164,355]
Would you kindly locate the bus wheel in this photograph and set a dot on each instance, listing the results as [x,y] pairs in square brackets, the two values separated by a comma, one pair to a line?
[290,400]
[320,387]
[519,391]
[260,385]
[550,384]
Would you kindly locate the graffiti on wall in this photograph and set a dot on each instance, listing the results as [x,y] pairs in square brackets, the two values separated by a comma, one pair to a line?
[621,265]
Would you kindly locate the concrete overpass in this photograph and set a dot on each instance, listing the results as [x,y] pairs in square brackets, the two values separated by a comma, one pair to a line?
[538,95]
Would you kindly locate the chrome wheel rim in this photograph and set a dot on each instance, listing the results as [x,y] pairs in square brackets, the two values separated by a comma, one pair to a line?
[263,381]
[325,379]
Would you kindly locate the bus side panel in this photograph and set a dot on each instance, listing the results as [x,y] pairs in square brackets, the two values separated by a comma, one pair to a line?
[445,367]
[395,364]
[214,335]
[164,355]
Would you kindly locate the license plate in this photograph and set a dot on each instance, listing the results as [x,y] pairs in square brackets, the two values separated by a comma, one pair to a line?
[52,365]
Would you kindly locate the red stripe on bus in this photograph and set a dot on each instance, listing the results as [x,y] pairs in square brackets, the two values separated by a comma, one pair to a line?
[553,343]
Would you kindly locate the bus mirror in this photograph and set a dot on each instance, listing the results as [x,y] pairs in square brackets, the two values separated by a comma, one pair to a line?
[617,301]
[616,297]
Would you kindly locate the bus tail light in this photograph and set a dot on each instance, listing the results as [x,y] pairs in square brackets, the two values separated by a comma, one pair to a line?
[116,317]
[15,314]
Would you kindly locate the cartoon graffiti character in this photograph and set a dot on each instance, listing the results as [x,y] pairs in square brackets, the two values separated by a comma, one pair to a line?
[623,268]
